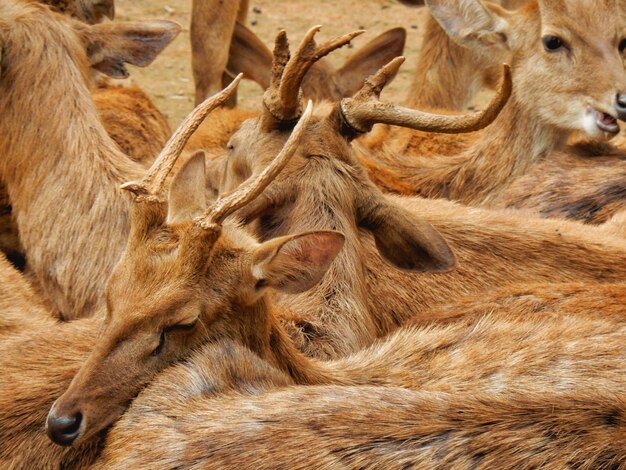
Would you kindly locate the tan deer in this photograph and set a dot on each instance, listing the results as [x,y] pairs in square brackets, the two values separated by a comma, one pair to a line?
[364,295]
[365,427]
[188,278]
[48,156]
[544,46]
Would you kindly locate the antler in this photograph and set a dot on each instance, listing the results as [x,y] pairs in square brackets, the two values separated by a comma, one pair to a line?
[282,98]
[365,109]
[230,203]
[151,186]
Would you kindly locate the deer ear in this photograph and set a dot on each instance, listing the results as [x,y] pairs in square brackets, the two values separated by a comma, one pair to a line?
[187,193]
[369,59]
[294,264]
[474,25]
[404,241]
[113,45]
[250,56]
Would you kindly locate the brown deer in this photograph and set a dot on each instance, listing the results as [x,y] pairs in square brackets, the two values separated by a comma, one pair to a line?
[364,295]
[47,156]
[366,427]
[188,278]
[545,108]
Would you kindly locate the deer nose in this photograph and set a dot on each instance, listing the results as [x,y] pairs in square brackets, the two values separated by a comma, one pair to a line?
[63,430]
[620,105]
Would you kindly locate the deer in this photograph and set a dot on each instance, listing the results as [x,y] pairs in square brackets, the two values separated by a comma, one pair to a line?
[379,276]
[480,169]
[249,55]
[190,276]
[366,427]
[46,157]
[130,118]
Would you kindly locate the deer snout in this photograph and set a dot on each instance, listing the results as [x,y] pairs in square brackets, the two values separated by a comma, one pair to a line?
[620,106]
[64,429]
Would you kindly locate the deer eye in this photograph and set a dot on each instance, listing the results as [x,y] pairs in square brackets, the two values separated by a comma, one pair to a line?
[553,43]
[159,348]
[622,46]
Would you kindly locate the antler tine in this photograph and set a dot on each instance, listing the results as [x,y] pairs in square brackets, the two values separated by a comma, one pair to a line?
[281,58]
[227,205]
[151,186]
[365,109]
[285,104]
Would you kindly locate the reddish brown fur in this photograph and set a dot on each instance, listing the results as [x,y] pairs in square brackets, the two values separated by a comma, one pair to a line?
[49,156]
[89,11]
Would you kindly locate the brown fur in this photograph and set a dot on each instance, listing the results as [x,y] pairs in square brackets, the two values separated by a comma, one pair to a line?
[89,11]
[508,341]
[545,109]
[132,120]
[48,157]
[370,427]
[20,309]
[363,296]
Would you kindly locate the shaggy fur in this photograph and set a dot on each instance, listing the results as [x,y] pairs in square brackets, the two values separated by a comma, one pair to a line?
[49,156]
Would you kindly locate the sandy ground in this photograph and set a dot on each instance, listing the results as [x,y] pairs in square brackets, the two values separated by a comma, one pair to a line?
[169,80]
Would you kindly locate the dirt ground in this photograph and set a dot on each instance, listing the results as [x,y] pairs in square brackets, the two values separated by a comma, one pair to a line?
[169,80]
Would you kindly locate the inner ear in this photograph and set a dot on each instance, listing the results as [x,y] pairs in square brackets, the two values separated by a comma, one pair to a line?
[295,264]
[250,56]
[113,45]
[404,241]
[187,198]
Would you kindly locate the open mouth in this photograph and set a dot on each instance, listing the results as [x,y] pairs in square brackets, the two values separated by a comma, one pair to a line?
[605,122]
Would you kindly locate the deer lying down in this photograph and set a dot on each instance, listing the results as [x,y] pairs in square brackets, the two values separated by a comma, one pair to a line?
[250,56]
[365,427]
[189,277]
[563,85]
[47,156]
[364,295]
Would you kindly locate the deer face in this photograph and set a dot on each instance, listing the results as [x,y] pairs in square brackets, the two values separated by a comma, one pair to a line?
[186,277]
[566,57]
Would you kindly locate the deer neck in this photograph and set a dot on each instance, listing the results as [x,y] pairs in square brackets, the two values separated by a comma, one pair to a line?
[260,330]
[335,312]
[506,150]
[62,173]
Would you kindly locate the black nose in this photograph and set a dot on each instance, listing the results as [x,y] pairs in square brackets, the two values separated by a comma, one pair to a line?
[620,105]
[63,430]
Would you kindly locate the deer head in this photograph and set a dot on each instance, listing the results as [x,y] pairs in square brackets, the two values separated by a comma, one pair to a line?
[567,57]
[89,11]
[188,276]
[324,179]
